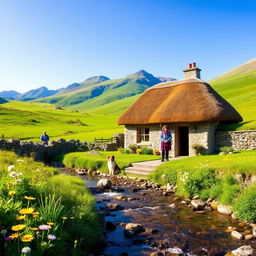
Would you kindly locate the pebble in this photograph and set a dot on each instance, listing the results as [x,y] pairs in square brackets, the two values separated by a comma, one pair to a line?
[135,227]
[237,235]
[198,204]
[245,250]
[224,209]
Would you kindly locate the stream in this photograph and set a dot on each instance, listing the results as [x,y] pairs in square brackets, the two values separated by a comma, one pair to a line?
[168,227]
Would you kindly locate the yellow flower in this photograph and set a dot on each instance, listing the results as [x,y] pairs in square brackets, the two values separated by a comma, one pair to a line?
[15,235]
[27,238]
[26,211]
[22,217]
[64,218]
[29,198]
[12,192]
[18,227]
[50,223]
[33,229]
[72,218]
[35,213]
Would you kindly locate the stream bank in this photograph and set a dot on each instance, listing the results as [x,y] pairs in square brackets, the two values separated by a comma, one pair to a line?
[170,224]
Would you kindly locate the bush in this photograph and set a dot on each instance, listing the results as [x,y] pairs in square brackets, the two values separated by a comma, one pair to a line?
[200,150]
[226,150]
[133,148]
[139,151]
[147,151]
[245,204]
[191,184]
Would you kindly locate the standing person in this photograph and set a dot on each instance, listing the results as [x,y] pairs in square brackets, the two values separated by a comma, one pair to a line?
[44,138]
[166,138]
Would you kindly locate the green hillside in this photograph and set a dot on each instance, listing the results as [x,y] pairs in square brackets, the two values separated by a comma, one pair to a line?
[27,120]
[240,91]
[97,94]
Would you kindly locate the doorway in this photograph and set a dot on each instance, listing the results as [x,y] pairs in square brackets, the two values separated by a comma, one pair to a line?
[182,141]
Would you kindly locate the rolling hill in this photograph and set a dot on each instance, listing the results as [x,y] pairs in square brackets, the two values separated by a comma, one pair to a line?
[97,94]
[11,95]
[238,87]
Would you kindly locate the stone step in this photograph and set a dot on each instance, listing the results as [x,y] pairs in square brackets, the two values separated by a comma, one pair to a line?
[143,166]
[136,172]
[148,170]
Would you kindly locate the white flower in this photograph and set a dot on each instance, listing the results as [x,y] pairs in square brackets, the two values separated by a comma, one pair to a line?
[14,174]
[11,167]
[3,232]
[51,237]
[26,250]
[20,160]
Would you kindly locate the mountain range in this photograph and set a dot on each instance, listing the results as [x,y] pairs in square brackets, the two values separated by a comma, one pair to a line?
[94,91]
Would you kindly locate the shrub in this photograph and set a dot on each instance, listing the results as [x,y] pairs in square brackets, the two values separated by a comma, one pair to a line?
[121,150]
[226,150]
[156,152]
[245,204]
[133,148]
[192,184]
[127,151]
[147,151]
[200,150]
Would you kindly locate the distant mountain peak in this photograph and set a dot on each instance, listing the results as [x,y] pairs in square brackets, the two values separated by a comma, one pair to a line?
[98,78]
[142,72]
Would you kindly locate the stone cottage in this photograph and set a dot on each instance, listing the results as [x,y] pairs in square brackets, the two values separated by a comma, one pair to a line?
[191,108]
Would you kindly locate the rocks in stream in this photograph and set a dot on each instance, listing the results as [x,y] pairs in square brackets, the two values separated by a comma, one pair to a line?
[245,250]
[110,226]
[237,235]
[224,209]
[115,207]
[135,227]
[198,204]
[104,183]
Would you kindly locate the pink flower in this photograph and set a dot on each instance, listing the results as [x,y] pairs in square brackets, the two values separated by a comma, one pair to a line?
[51,237]
[44,227]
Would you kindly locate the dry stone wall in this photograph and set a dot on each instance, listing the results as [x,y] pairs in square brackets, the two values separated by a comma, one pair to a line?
[46,153]
[238,140]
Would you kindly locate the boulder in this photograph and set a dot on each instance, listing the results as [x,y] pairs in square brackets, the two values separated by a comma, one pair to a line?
[237,235]
[104,183]
[198,204]
[115,207]
[245,250]
[135,227]
[224,209]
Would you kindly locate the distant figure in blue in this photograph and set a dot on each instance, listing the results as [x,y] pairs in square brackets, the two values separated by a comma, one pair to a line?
[166,138]
[44,138]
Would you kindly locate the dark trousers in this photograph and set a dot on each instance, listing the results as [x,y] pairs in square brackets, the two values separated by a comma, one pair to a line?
[166,154]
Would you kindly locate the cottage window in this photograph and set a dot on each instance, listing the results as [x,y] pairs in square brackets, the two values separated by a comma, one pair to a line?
[143,134]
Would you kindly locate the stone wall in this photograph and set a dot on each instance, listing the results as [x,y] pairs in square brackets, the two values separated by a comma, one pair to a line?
[46,153]
[238,140]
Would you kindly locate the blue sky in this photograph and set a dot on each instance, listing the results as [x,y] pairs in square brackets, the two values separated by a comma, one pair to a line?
[54,43]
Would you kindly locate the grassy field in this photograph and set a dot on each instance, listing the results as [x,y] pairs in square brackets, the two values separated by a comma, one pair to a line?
[33,195]
[99,162]
[240,91]
[27,120]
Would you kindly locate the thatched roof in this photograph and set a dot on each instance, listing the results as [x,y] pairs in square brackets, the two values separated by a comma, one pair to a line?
[189,100]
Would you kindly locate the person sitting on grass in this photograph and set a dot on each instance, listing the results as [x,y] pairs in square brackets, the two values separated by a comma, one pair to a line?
[166,138]
[44,138]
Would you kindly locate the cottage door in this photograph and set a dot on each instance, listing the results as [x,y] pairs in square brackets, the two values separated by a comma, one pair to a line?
[182,141]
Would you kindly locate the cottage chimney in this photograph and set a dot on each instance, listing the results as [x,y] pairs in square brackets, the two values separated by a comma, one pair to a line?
[192,71]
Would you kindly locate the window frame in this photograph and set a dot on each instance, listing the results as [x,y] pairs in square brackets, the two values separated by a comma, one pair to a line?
[141,134]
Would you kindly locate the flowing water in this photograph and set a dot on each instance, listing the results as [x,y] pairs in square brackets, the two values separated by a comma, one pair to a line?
[179,228]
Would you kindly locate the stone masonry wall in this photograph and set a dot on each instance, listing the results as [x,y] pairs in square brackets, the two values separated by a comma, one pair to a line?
[46,153]
[238,140]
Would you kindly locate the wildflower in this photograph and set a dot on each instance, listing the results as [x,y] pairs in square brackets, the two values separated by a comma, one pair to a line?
[20,160]
[26,211]
[35,213]
[12,192]
[44,227]
[27,238]
[64,218]
[11,167]
[33,229]
[13,174]
[16,181]
[22,217]
[14,235]
[18,227]
[3,232]
[8,238]
[26,250]
[82,213]
[50,223]
[51,237]
[72,218]
[29,198]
